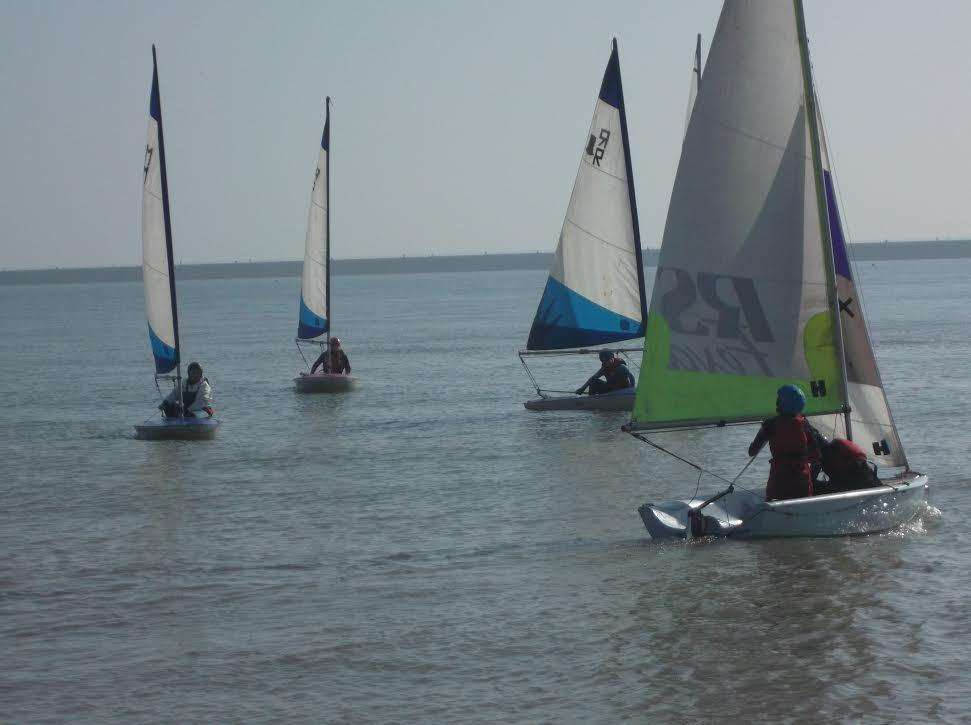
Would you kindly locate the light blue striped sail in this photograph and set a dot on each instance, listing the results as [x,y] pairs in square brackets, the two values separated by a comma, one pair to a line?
[157,263]
[595,291]
[313,320]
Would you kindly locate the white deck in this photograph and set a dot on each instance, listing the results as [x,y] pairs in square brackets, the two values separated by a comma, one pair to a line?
[745,514]
[324,383]
[616,400]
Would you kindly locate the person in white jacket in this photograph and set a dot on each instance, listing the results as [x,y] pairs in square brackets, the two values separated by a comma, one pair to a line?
[196,396]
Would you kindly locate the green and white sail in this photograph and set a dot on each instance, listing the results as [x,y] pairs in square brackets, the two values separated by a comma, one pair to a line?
[744,299]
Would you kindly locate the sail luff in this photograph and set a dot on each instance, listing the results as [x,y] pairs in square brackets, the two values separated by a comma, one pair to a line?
[822,208]
[638,254]
[694,85]
[327,196]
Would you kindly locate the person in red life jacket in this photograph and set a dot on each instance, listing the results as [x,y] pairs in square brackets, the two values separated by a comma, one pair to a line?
[793,445]
[333,359]
[846,467]
[615,376]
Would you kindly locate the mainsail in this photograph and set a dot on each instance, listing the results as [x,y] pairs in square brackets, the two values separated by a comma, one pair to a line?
[744,300]
[595,291]
[314,319]
[871,423]
[157,263]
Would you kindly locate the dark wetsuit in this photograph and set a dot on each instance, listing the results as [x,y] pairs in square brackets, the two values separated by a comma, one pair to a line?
[793,445]
[338,364]
[617,377]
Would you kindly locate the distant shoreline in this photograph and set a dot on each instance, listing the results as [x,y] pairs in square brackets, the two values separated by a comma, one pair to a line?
[862,252]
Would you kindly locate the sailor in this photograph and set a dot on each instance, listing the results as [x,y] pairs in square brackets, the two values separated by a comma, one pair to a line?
[196,396]
[846,466]
[333,360]
[792,442]
[615,376]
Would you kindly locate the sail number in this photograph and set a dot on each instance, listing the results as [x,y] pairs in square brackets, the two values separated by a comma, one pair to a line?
[596,147]
[148,162]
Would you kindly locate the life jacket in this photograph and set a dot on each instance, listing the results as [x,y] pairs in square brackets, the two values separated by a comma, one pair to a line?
[847,468]
[789,439]
[841,457]
[792,447]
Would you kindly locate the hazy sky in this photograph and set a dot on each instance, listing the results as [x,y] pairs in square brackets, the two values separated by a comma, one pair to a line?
[457,125]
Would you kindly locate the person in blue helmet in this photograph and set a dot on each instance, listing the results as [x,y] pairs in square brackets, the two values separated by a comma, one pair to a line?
[792,442]
[615,376]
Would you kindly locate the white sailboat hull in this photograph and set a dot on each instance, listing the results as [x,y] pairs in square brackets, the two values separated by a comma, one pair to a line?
[324,383]
[180,429]
[616,400]
[744,514]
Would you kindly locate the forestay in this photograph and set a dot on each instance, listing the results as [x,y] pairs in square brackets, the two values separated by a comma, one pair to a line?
[157,262]
[314,317]
[870,420]
[595,291]
[742,301]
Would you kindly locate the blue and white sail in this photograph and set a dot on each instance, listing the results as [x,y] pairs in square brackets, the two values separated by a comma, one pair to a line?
[595,291]
[314,318]
[157,263]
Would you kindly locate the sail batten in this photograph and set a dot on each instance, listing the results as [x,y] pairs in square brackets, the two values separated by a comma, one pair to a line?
[314,309]
[595,291]
[158,268]
[741,301]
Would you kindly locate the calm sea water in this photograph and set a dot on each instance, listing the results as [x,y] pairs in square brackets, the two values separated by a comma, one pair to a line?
[425,550]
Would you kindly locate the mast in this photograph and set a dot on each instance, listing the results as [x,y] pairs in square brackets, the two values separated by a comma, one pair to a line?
[630,191]
[811,111]
[327,202]
[166,215]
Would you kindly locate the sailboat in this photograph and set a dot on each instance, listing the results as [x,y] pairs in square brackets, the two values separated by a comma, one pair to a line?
[314,321]
[158,273]
[754,290]
[594,294]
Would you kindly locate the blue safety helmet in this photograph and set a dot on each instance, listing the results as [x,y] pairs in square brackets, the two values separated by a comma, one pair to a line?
[791,400]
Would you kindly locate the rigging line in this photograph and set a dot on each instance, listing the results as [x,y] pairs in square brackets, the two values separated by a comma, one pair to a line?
[695,466]
[600,239]
[605,173]
[156,270]
[752,137]
[529,374]
[300,350]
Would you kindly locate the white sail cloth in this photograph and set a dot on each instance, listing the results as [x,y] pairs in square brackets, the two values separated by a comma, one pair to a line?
[314,315]
[156,248]
[594,291]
